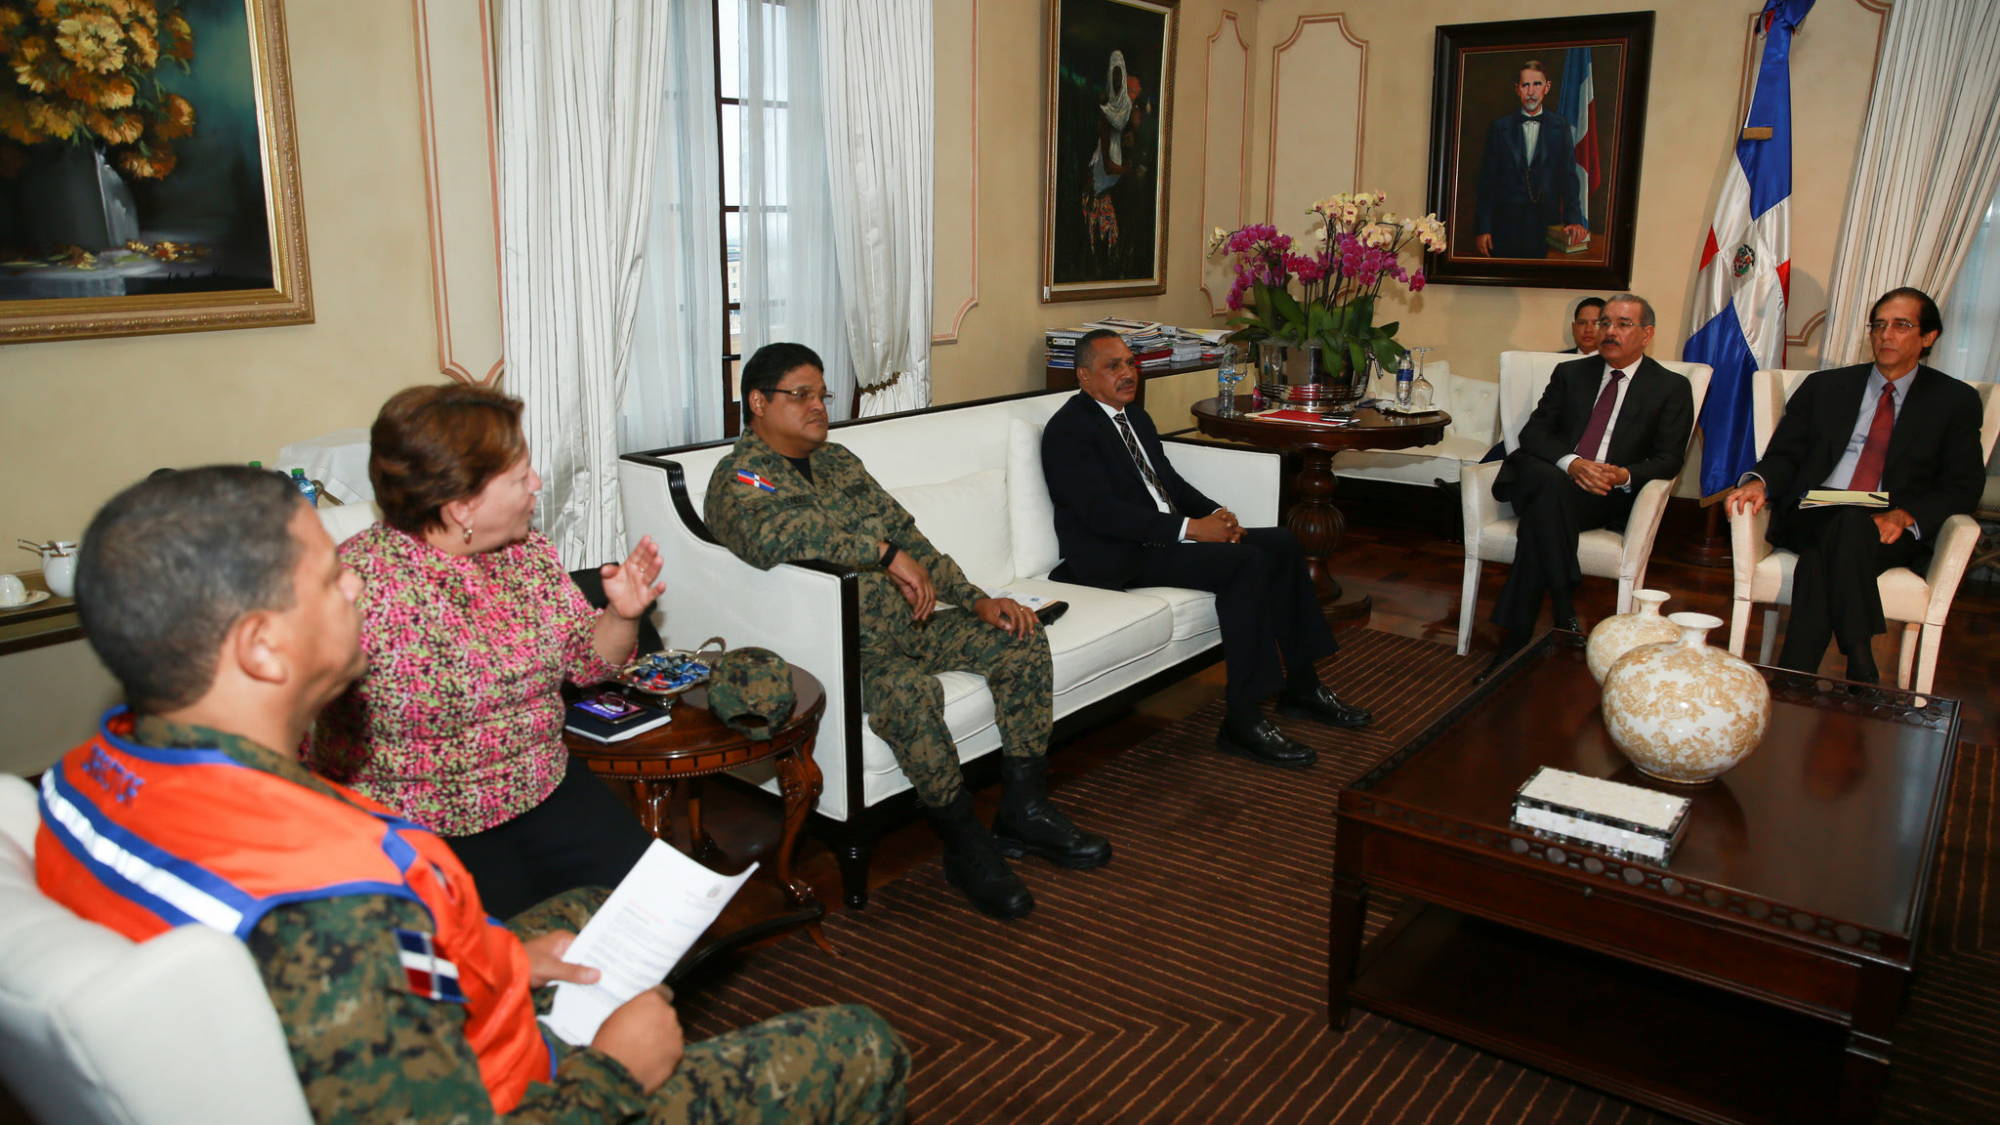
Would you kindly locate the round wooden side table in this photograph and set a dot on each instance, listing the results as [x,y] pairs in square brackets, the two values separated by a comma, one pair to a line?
[666,766]
[1313,518]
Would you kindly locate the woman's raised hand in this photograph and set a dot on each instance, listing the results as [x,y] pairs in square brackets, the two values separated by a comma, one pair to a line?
[630,586]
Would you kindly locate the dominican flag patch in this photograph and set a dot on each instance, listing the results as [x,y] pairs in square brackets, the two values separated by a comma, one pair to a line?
[754,480]
[427,974]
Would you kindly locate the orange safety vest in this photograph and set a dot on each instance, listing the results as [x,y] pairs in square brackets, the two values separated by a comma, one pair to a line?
[142,839]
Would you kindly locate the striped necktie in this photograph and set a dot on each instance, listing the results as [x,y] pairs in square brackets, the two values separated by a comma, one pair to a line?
[1145,466]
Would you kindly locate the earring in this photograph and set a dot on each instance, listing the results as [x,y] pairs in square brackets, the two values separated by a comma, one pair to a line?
[465,529]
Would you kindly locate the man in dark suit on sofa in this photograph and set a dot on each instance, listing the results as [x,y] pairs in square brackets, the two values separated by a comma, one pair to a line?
[1606,425]
[1125,518]
[1894,427]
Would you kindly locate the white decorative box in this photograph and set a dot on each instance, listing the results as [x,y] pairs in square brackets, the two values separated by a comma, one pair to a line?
[1626,820]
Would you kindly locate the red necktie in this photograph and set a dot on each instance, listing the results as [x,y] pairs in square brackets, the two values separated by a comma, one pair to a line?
[1600,418]
[1868,470]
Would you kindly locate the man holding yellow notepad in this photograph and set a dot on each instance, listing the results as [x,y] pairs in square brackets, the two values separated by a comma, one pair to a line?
[1864,468]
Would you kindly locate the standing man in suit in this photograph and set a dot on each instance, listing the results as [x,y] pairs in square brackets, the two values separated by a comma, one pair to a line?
[1583,329]
[1606,425]
[1894,427]
[1527,176]
[1125,518]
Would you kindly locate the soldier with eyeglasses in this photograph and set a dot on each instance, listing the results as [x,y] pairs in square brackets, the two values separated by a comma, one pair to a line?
[787,494]
[1895,428]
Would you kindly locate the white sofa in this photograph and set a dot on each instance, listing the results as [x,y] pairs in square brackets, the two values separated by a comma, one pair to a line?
[97,1029]
[971,476]
[1474,406]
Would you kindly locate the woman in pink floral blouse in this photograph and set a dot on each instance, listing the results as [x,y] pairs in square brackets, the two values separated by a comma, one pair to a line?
[471,625]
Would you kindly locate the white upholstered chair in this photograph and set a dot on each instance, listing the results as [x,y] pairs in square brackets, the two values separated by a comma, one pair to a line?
[95,1029]
[1920,601]
[1491,528]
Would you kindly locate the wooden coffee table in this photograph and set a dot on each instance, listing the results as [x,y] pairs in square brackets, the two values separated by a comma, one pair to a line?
[1313,518]
[665,767]
[1752,978]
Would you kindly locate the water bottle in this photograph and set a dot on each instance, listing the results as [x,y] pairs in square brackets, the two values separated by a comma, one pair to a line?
[1406,379]
[305,487]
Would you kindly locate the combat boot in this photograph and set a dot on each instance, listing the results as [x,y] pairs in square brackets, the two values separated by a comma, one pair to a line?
[973,863]
[1029,823]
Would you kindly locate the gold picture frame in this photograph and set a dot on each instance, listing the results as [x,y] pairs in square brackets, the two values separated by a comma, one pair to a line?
[234,279]
[1110,133]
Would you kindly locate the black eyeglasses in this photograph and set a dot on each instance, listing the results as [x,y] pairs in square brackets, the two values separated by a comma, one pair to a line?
[803,395]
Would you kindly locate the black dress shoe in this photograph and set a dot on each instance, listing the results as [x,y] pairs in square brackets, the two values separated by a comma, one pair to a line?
[1263,742]
[1322,706]
[1569,624]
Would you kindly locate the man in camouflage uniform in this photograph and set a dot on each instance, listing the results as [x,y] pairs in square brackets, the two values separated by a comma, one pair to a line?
[787,494]
[216,598]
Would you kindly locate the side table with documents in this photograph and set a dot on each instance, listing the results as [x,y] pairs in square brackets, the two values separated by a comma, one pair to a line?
[666,767]
[1751,978]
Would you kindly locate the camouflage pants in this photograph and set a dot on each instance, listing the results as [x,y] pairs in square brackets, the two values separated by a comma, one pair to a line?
[905,702]
[819,1065]
[830,1065]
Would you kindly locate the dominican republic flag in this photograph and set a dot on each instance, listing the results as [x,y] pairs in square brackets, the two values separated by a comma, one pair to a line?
[1745,279]
[1579,105]
[424,972]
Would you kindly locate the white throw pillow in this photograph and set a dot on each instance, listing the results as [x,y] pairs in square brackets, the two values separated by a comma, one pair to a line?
[966,519]
[1033,514]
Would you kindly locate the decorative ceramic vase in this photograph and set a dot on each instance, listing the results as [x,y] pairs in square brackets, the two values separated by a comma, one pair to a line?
[1683,711]
[1616,636]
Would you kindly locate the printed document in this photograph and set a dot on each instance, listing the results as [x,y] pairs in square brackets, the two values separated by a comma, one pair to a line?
[663,904]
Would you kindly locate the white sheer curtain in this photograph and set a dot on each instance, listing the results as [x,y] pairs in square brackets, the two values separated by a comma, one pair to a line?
[1927,167]
[579,85]
[673,390]
[791,280]
[876,81]
[1970,346]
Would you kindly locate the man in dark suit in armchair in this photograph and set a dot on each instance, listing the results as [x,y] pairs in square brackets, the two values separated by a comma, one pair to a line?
[1125,518]
[1893,427]
[1606,425]
[1527,176]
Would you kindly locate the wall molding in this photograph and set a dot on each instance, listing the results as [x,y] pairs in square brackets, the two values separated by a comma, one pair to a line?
[465,255]
[1339,22]
[1233,23]
[950,335]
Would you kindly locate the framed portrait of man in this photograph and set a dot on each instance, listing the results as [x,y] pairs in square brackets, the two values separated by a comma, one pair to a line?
[1537,128]
[1110,120]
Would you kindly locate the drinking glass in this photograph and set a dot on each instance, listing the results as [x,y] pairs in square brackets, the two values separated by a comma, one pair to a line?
[1422,394]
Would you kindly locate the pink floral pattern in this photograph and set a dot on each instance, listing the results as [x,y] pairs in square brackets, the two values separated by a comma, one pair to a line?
[458,722]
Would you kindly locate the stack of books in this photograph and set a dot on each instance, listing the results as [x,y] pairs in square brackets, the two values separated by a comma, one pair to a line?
[1152,343]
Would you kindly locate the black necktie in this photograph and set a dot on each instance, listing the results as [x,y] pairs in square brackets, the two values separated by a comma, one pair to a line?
[1145,467]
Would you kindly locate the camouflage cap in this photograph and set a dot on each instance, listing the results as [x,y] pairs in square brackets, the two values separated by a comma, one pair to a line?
[750,690]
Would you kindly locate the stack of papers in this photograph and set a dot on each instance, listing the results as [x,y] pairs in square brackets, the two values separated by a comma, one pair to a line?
[1830,498]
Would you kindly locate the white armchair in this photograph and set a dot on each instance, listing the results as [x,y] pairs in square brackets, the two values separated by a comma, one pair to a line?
[97,1029]
[1491,528]
[1763,573]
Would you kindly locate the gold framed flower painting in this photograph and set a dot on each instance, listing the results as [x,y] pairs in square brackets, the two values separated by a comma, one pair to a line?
[149,174]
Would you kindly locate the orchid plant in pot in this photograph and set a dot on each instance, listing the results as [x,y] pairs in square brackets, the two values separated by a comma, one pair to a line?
[1327,331]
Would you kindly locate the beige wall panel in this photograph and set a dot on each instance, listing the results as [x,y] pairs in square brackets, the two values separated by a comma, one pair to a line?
[455,83]
[955,220]
[1225,151]
[1000,346]
[1319,92]
[85,418]
[50,699]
